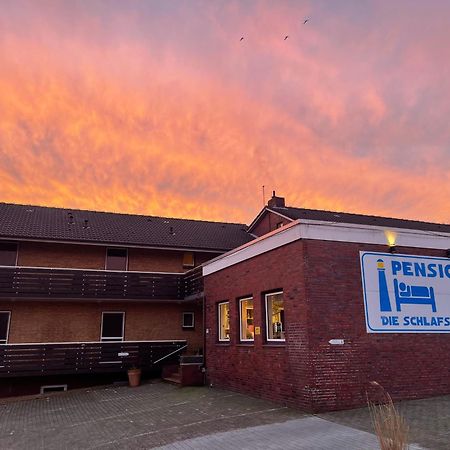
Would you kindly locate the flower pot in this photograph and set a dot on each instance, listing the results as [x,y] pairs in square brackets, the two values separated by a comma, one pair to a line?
[134,377]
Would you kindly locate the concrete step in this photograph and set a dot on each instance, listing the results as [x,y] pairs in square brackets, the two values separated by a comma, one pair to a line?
[173,378]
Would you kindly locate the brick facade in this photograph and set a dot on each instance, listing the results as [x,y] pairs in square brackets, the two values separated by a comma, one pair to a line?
[78,256]
[268,222]
[44,321]
[321,281]
[71,321]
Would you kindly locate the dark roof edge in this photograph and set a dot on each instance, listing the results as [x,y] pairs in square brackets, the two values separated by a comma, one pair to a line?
[122,214]
[113,244]
[287,208]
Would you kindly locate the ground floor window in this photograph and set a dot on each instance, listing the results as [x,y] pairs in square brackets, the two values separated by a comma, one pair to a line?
[274,316]
[113,325]
[224,321]
[188,320]
[4,326]
[247,328]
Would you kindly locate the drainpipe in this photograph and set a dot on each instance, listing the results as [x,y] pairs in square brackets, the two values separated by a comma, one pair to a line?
[204,333]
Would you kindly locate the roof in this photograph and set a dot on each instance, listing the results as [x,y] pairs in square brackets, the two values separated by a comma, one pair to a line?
[361,219]
[22,222]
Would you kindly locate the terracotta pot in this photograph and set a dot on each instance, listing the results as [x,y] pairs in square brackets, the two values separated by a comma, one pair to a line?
[134,377]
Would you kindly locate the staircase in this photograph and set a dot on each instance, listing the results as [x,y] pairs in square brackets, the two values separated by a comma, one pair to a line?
[172,374]
[188,373]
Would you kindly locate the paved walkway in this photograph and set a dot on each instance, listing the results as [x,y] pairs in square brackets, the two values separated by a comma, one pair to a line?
[162,415]
[300,434]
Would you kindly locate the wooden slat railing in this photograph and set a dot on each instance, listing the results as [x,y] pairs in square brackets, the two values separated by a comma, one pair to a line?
[20,282]
[193,283]
[82,358]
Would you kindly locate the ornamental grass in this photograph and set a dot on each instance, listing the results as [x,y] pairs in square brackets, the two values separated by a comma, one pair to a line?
[390,426]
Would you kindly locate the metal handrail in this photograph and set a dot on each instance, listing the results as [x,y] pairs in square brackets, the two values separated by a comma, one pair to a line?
[164,357]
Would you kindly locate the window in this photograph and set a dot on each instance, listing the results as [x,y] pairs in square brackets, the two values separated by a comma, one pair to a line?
[188,259]
[112,326]
[279,224]
[8,253]
[275,316]
[116,259]
[4,326]
[224,321]
[188,320]
[247,328]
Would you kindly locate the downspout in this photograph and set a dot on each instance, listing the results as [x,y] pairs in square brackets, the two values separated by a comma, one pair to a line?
[204,334]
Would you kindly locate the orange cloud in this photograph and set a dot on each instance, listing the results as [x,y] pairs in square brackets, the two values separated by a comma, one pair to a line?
[144,126]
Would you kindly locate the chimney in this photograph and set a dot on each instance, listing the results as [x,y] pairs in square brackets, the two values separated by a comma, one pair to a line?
[276,202]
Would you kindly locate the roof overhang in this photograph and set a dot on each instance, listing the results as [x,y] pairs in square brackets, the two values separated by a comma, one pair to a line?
[111,244]
[328,231]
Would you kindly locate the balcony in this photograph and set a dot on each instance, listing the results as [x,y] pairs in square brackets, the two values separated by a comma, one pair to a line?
[86,357]
[49,283]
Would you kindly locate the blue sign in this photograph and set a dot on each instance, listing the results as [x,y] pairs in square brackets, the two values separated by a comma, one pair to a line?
[405,293]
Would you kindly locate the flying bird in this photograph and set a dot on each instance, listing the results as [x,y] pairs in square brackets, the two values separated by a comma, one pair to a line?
[306,20]
[286,37]
[241,39]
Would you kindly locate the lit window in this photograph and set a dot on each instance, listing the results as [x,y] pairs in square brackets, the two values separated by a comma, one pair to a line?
[224,321]
[112,326]
[188,320]
[275,317]
[188,259]
[4,326]
[247,328]
[116,259]
[8,253]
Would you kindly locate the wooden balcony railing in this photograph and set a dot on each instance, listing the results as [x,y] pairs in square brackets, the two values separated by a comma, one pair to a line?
[27,282]
[87,357]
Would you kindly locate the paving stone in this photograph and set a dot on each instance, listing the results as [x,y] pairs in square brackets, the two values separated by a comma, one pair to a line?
[159,414]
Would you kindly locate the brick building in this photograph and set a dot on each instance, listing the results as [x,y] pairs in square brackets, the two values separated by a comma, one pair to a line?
[292,317]
[100,281]
[304,307]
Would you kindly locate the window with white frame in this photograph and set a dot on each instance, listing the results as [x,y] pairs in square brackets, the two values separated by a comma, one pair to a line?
[5,317]
[113,325]
[247,327]
[188,320]
[274,305]
[224,321]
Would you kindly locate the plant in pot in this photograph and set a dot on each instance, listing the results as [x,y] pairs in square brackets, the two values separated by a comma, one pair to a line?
[134,376]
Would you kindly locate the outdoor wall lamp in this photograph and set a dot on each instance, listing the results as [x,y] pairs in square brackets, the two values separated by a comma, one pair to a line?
[392,249]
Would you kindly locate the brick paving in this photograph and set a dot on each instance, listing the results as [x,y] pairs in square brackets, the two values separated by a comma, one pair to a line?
[163,415]
[428,420]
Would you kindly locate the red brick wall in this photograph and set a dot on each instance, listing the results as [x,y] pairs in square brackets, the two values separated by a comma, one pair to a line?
[323,300]
[274,372]
[406,365]
[75,322]
[267,223]
[78,256]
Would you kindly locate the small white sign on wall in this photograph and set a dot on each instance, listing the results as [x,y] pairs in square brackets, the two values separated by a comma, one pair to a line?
[405,293]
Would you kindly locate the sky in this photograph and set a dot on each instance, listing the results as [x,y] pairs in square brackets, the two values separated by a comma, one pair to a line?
[159,107]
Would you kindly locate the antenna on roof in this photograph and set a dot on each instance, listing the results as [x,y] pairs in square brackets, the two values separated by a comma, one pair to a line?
[86,224]
[264,196]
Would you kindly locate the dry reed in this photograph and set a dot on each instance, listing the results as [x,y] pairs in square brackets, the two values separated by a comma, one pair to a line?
[390,426]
